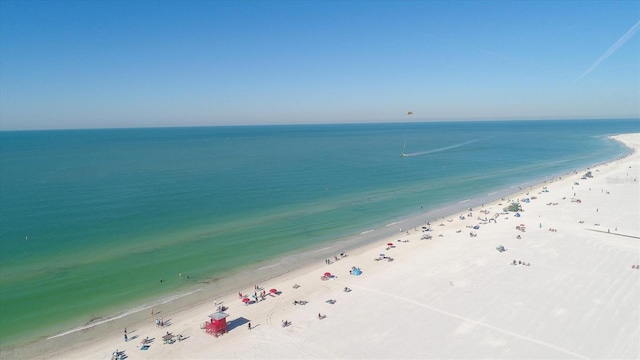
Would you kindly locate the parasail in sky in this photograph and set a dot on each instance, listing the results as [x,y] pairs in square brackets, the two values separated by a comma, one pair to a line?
[410,113]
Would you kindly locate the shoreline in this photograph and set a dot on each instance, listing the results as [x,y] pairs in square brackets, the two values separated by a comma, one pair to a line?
[135,262]
[83,337]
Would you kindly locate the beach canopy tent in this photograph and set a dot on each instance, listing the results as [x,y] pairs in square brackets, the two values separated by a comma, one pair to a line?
[218,324]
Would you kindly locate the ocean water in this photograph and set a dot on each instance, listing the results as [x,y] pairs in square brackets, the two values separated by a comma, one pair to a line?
[91,221]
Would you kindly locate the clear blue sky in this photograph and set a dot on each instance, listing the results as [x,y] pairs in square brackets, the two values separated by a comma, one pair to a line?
[93,64]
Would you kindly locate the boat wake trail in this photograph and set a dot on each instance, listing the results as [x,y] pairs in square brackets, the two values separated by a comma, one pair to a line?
[442,148]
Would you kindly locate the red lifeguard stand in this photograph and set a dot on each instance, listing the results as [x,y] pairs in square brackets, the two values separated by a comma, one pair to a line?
[218,324]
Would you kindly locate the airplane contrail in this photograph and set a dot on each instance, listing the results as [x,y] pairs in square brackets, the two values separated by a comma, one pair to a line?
[618,44]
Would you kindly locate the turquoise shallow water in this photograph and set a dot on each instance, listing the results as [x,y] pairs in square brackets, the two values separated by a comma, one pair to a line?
[91,220]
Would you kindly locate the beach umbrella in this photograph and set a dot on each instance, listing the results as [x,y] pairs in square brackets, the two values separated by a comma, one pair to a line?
[389,244]
[381,254]
[327,274]
[245,300]
[273,291]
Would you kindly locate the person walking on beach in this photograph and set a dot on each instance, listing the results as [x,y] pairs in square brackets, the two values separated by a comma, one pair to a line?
[249,326]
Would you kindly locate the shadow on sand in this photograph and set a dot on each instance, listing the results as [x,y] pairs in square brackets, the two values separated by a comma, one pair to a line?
[236,323]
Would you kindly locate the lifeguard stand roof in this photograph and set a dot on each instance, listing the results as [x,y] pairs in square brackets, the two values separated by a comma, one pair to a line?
[218,315]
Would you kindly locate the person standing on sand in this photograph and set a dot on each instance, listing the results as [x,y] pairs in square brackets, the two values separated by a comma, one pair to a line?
[249,326]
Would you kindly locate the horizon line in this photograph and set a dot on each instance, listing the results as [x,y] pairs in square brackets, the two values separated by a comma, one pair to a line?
[419,121]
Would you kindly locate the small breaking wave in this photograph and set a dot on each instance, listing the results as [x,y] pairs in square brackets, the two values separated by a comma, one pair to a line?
[268,266]
[126,313]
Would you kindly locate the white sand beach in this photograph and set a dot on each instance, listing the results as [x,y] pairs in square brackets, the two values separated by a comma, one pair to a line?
[574,294]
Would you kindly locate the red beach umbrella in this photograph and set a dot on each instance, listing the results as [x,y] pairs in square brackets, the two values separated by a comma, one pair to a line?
[273,291]
[327,274]
[245,300]
[389,244]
